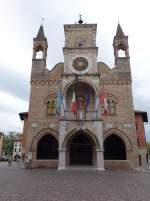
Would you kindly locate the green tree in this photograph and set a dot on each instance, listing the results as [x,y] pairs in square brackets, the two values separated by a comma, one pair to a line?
[9,143]
[148,148]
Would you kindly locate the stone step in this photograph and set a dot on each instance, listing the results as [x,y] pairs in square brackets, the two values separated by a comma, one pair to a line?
[82,168]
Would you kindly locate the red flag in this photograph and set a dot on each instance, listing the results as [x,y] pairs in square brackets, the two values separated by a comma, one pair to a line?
[73,103]
[103,100]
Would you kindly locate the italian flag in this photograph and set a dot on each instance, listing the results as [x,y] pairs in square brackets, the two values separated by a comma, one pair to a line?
[73,103]
[103,100]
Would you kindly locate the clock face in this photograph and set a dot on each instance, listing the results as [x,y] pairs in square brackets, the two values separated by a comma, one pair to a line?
[80,63]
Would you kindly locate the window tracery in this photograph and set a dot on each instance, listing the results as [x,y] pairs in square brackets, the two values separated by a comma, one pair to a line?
[51,105]
[111,106]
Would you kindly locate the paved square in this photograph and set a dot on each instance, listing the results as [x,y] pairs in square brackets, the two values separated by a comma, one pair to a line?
[18,184]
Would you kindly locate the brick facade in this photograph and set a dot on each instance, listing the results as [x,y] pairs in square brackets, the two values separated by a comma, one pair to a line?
[80,42]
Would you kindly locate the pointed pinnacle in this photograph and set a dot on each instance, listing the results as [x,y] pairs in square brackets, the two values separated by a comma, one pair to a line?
[40,34]
[119,31]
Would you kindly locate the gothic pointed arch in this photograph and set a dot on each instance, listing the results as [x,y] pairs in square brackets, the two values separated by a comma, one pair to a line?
[47,148]
[81,146]
[80,149]
[81,81]
[85,93]
[86,132]
[112,102]
[40,135]
[122,135]
[114,148]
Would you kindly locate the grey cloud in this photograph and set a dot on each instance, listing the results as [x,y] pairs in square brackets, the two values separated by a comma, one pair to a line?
[13,83]
[8,109]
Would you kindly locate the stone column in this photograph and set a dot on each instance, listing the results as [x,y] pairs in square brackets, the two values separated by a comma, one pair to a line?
[62,159]
[100,159]
[62,150]
[99,150]
[97,108]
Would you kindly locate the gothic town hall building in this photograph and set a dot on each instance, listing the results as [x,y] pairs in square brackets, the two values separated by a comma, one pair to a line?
[55,135]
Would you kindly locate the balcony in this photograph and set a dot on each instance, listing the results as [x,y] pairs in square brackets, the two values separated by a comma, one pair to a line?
[81,116]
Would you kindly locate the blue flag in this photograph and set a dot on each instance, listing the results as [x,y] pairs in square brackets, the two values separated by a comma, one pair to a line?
[59,99]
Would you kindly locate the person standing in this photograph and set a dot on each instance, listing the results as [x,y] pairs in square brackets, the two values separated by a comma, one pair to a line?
[10,161]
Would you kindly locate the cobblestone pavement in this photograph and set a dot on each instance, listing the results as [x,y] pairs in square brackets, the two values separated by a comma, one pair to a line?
[18,184]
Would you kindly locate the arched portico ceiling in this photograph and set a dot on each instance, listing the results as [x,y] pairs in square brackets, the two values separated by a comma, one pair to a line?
[122,135]
[81,82]
[40,134]
[86,132]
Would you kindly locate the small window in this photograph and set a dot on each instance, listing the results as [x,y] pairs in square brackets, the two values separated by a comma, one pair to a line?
[112,107]
[39,55]
[121,53]
[51,106]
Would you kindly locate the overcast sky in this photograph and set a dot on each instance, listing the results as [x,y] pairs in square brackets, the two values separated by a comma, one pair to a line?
[20,21]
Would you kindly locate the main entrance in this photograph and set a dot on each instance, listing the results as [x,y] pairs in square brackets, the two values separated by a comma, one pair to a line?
[81,150]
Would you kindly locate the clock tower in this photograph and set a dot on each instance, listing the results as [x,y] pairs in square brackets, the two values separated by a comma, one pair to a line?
[80,51]
[80,83]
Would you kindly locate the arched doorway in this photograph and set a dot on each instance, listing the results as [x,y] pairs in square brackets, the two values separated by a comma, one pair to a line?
[81,150]
[16,157]
[47,148]
[114,148]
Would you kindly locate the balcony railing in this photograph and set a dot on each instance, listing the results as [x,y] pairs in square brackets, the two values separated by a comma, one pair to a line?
[81,116]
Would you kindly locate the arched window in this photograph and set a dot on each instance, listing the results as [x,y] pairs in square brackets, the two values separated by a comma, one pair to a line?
[121,53]
[51,106]
[122,50]
[111,107]
[39,55]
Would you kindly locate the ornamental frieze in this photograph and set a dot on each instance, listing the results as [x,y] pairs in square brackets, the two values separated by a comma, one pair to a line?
[43,82]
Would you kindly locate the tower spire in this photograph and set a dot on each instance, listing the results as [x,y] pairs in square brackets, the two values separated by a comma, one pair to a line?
[40,34]
[119,31]
[122,59]
[40,44]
